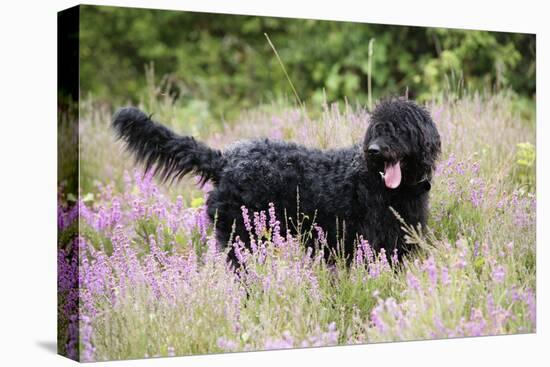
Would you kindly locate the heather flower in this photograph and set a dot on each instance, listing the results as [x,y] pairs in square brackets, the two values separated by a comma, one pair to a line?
[477,191]
[359,256]
[274,224]
[367,250]
[246,219]
[179,203]
[86,334]
[321,239]
[498,274]
[260,225]
[431,269]
[451,160]
[85,213]
[320,338]
[376,318]
[477,324]
[445,280]
[272,217]
[440,329]
[138,209]
[212,249]
[240,251]
[459,168]
[485,250]
[286,342]
[202,222]
[227,345]
[412,282]
[394,258]
[72,345]
[160,234]
[460,263]
[383,260]
[116,213]
[529,299]
[452,187]
[475,168]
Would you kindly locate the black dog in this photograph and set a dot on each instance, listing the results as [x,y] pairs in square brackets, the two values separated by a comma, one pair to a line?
[348,192]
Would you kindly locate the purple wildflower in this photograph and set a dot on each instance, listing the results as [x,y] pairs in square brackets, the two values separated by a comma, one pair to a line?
[260,223]
[286,342]
[498,274]
[376,317]
[86,334]
[227,345]
[275,226]
[394,257]
[246,219]
[445,280]
[412,282]
[430,268]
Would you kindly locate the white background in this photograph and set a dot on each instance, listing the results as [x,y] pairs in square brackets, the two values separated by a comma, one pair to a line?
[28,181]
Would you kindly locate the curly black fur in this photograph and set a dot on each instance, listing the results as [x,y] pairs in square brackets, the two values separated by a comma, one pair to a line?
[170,155]
[343,190]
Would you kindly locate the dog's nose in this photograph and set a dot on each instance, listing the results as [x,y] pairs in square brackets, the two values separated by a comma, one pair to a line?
[374,149]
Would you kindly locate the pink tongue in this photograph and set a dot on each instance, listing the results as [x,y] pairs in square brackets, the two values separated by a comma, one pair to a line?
[392,175]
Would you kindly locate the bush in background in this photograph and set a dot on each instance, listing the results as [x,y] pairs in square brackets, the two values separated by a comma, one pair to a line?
[218,63]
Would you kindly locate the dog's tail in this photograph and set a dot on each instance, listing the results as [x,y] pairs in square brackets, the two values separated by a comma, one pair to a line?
[170,156]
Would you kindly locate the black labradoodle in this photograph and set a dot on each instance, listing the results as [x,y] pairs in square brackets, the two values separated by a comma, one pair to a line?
[348,192]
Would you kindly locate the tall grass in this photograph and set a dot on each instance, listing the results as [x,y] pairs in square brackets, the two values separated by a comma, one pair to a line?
[154,282]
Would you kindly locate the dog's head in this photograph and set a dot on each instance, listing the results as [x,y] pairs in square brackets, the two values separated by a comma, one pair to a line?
[402,143]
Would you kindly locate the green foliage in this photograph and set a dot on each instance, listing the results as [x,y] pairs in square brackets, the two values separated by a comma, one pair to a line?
[218,63]
[67,148]
[197,202]
[524,170]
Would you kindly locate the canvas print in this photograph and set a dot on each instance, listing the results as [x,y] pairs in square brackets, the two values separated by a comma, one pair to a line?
[235,183]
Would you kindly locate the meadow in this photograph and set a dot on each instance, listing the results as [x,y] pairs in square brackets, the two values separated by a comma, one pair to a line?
[152,281]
